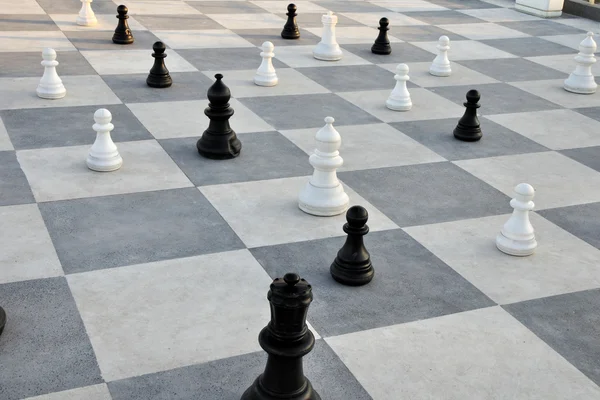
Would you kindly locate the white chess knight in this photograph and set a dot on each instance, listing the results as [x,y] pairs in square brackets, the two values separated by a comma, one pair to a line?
[266,75]
[86,15]
[517,236]
[582,80]
[441,65]
[399,99]
[324,195]
[328,49]
[103,155]
[50,86]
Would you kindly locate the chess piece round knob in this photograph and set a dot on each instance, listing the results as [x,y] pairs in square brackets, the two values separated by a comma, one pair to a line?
[473,96]
[122,10]
[291,278]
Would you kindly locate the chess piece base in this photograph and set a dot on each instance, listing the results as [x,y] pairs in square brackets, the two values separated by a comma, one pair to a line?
[519,248]
[398,105]
[103,164]
[352,275]
[580,84]
[440,71]
[86,21]
[381,49]
[159,81]
[327,53]
[257,392]
[543,13]
[292,35]
[51,93]
[2,320]
[261,80]
[323,202]
[122,39]
[467,134]
[217,147]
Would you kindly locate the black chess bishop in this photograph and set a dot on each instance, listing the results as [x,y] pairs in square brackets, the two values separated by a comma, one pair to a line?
[382,43]
[468,128]
[159,76]
[122,33]
[219,141]
[352,265]
[290,29]
[286,339]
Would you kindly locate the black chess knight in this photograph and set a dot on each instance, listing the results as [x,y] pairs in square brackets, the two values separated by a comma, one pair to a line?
[122,34]
[382,43]
[468,128]
[159,76]
[290,29]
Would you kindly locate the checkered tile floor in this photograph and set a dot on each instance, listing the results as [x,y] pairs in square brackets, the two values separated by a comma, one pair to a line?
[150,282]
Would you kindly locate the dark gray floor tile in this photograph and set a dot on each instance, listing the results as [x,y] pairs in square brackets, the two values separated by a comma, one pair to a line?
[398,192]
[350,78]
[228,378]
[177,22]
[281,112]
[313,20]
[570,324]
[26,22]
[350,6]
[585,155]
[67,7]
[153,226]
[463,4]
[513,69]
[226,59]
[223,7]
[259,36]
[28,64]
[44,345]
[591,112]
[133,88]
[497,98]
[497,140]
[421,33]
[443,17]
[582,221]
[61,126]
[543,28]
[102,40]
[401,53]
[265,155]
[14,188]
[528,46]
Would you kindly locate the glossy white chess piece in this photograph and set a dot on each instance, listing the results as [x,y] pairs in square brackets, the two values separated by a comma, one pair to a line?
[266,75]
[103,155]
[517,236]
[50,86]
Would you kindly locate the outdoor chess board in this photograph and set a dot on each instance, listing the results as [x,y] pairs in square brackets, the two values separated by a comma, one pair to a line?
[150,282]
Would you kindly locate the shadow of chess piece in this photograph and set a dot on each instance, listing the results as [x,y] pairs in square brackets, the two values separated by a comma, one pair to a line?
[290,29]
[159,74]
[352,265]
[286,339]
[2,320]
[219,141]
[122,33]
[468,128]
[382,43]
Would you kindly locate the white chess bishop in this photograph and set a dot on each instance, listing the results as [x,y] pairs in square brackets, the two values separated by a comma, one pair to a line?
[581,80]
[517,236]
[103,155]
[328,49]
[50,86]
[324,195]
[441,64]
[399,99]
[266,75]
[86,15]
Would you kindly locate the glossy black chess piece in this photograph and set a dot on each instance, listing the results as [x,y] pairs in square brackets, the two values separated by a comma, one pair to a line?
[286,339]
[352,265]
[2,320]
[468,128]
[122,33]
[382,43]
[290,29]
[219,141]
[159,74]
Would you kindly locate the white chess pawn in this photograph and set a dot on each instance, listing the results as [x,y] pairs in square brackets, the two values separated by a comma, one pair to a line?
[324,195]
[103,156]
[517,235]
[399,99]
[266,75]
[582,80]
[86,15]
[441,65]
[328,49]
[50,86]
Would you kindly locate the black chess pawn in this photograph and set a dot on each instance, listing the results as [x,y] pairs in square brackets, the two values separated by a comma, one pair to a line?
[290,29]
[286,339]
[159,74]
[122,33]
[468,128]
[382,43]
[352,265]
[2,320]
[219,141]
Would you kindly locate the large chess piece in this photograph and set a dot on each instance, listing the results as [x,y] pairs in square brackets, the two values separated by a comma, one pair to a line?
[290,29]
[399,99]
[441,65]
[517,237]
[468,128]
[2,320]
[382,43]
[50,86]
[324,195]
[219,141]
[103,155]
[286,339]
[582,80]
[122,33]
[352,265]
[86,15]
[328,49]
[266,75]
[159,74]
